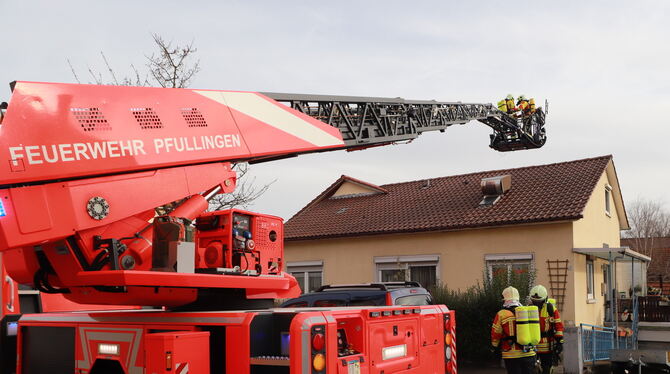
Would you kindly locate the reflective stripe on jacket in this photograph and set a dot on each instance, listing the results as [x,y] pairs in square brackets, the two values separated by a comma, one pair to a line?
[547,323]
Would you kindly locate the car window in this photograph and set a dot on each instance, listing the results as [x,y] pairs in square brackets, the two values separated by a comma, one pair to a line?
[325,303]
[299,304]
[414,300]
[368,300]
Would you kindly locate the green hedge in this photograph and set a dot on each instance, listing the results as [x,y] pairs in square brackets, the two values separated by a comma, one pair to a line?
[475,309]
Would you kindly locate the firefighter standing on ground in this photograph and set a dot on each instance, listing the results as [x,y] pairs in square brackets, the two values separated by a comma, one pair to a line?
[518,359]
[551,327]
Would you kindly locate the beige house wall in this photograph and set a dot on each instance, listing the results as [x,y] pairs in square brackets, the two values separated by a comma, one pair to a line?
[591,311]
[596,230]
[349,188]
[462,253]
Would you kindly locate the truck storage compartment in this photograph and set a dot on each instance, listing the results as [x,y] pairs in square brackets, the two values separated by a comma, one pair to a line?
[350,336]
[351,345]
[47,349]
[269,343]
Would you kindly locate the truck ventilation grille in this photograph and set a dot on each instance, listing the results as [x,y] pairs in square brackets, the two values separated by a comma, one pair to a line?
[91,119]
[147,118]
[193,117]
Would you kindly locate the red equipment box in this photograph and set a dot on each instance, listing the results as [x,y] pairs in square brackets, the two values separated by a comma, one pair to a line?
[237,241]
[177,352]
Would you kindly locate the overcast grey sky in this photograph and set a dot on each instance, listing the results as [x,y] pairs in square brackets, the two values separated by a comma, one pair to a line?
[603,66]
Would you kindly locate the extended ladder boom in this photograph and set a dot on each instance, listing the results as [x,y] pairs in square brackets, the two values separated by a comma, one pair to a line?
[84,166]
[369,121]
[55,131]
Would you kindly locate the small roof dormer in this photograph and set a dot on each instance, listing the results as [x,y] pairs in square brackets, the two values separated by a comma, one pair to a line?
[347,187]
[493,188]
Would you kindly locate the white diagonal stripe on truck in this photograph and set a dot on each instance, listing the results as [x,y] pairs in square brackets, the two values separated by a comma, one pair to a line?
[257,107]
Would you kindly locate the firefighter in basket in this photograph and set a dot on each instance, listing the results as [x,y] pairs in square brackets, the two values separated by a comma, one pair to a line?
[551,345]
[506,105]
[523,105]
[516,331]
[509,100]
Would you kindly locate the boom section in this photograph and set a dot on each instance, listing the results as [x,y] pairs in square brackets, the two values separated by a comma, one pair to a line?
[370,121]
[56,131]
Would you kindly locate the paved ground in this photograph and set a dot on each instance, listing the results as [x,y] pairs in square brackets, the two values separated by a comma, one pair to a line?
[492,370]
[469,369]
[475,370]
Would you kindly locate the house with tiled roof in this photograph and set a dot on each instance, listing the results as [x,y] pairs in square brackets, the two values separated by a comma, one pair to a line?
[453,230]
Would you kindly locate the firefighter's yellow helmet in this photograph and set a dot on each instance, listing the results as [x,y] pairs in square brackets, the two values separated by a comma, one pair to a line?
[522,98]
[509,97]
[538,293]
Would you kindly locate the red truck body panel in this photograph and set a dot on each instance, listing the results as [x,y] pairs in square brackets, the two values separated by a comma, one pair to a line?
[366,340]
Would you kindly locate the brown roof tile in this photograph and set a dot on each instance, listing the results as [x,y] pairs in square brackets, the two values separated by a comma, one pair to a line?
[553,192]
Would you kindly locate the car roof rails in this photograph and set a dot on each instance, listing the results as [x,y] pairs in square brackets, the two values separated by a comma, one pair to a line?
[404,284]
[331,287]
[383,286]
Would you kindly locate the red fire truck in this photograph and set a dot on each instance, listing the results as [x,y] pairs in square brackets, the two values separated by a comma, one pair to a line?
[83,169]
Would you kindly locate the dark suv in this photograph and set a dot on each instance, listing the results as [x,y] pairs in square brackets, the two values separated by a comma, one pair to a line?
[386,293]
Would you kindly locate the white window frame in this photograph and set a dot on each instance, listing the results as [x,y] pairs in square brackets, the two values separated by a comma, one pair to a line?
[405,263]
[590,280]
[509,259]
[305,267]
[608,200]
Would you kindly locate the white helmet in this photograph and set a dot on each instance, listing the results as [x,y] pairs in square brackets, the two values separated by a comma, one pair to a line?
[510,294]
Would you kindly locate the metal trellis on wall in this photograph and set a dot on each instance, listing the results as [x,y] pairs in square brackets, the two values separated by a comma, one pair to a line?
[558,279]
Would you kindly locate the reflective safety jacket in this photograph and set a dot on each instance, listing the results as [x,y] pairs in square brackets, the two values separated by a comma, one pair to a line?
[503,333]
[523,106]
[551,328]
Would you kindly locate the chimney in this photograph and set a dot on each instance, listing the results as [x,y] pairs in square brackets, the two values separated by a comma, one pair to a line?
[494,187]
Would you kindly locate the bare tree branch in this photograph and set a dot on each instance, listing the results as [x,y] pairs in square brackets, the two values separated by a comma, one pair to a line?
[109,68]
[245,193]
[649,220]
[97,79]
[73,71]
[171,66]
